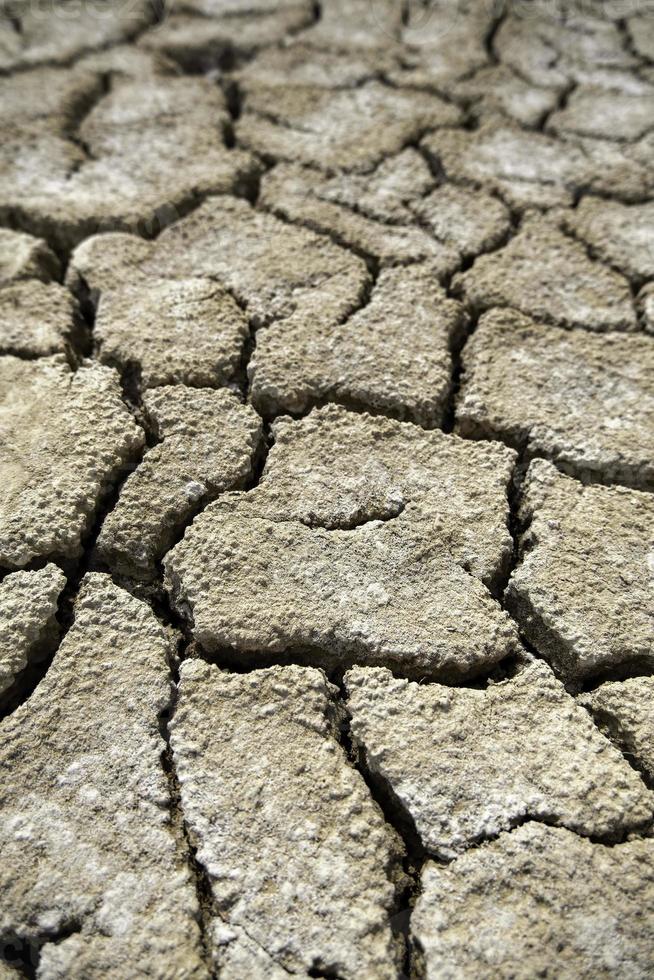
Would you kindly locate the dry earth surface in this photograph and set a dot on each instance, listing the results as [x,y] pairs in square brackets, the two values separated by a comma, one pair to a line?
[327,489]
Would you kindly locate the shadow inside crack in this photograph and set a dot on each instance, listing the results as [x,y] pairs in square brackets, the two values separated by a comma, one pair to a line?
[23,954]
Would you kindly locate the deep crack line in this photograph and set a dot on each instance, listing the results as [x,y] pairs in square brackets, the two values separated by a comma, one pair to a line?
[188,852]
[401,822]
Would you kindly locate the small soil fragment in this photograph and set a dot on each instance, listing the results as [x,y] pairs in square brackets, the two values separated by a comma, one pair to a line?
[582,593]
[498,90]
[28,628]
[624,710]
[467,220]
[467,764]
[38,319]
[608,115]
[547,275]
[536,901]
[64,438]
[622,235]
[188,331]
[393,356]
[209,440]
[585,401]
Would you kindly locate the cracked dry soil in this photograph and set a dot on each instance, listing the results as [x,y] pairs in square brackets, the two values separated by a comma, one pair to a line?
[326,489]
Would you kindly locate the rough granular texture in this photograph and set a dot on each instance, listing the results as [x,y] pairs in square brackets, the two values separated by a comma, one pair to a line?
[376,583]
[346,129]
[466,764]
[258,762]
[584,401]
[64,438]
[547,275]
[129,158]
[371,214]
[28,627]
[624,710]
[582,592]
[208,443]
[621,234]
[393,355]
[91,878]
[327,331]
[271,268]
[25,257]
[337,469]
[536,901]
[383,593]
[180,331]
[37,319]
